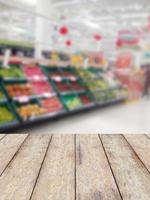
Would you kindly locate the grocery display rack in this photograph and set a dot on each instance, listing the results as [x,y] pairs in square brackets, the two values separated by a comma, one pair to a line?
[31,94]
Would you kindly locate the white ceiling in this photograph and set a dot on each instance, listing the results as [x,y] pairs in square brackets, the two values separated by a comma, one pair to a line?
[84,18]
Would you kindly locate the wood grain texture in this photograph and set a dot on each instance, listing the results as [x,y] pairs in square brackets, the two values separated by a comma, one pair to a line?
[57,180]
[18,180]
[8,147]
[2,136]
[93,175]
[141,145]
[148,135]
[132,177]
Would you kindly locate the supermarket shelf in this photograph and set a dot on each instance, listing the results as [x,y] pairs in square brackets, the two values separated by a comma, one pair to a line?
[9,126]
[13,79]
[36,78]
[106,90]
[55,115]
[110,102]
[59,79]
[3,101]
[73,92]
[55,92]
[82,108]
[24,99]
[47,116]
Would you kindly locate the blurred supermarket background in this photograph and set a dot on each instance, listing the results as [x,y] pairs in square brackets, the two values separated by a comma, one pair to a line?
[74,66]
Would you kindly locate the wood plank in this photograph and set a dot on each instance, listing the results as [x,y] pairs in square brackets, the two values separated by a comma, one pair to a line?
[56,180]
[132,177]
[94,178]
[8,147]
[18,180]
[148,136]
[2,136]
[141,145]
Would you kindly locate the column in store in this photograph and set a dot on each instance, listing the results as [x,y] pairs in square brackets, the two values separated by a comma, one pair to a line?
[43,28]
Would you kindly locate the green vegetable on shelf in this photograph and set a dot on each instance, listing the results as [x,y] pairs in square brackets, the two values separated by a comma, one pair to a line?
[72,102]
[2,96]
[12,72]
[86,74]
[5,115]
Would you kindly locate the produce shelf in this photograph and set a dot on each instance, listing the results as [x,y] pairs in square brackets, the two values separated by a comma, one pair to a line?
[24,99]
[2,101]
[9,126]
[70,87]
[47,116]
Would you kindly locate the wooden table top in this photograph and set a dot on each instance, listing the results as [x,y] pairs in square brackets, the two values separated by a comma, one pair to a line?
[74,167]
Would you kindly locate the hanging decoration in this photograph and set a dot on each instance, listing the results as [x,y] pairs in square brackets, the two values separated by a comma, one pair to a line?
[64,30]
[68,43]
[97,37]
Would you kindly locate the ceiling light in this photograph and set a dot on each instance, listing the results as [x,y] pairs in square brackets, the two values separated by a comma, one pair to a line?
[28,2]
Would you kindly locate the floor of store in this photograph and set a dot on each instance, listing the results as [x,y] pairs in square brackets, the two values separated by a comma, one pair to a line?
[73,167]
[131,117]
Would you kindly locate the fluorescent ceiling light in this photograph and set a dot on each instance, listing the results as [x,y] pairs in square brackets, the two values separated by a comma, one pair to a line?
[28,2]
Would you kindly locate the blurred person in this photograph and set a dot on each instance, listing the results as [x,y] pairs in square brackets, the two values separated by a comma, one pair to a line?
[147,82]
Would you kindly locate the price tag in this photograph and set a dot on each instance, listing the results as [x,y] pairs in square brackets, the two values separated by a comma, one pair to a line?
[23,99]
[46,95]
[36,78]
[57,78]
[72,78]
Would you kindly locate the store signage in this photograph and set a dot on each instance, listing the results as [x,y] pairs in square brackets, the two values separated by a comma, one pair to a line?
[124,60]
[127,38]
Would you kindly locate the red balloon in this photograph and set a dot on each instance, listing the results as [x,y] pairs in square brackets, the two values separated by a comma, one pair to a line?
[68,42]
[63,30]
[97,37]
[119,43]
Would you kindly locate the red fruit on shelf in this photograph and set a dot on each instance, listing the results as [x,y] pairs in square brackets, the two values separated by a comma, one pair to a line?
[63,87]
[33,71]
[85,99]
[51,104]
[41,87]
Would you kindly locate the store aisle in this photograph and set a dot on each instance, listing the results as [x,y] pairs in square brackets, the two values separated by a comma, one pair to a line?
[127,118]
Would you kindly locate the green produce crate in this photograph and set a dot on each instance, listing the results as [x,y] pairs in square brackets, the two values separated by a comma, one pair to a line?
[72,102]
[97,85]
[7,115]
[99,96]
[11,73]
[3,97]
[86,74]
